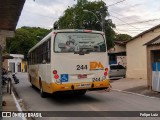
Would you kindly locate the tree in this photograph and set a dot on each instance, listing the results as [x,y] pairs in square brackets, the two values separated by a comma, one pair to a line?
[25,38]
[123,37]
[110,33]
[75,18]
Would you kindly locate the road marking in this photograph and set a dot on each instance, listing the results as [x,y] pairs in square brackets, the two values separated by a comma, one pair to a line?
[17,105]
[135,94]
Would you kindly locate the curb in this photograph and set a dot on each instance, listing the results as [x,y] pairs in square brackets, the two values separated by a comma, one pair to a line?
[17,105]
[19,108]
[123,91]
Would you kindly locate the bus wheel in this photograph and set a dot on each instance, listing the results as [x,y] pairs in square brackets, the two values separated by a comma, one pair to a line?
[30,79]
[43,94]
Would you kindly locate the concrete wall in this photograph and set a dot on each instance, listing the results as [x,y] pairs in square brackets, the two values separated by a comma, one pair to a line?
[117,49]
[5,64]
[121,60]
[137,55]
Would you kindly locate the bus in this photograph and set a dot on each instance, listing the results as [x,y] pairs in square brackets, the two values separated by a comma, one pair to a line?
[70,60]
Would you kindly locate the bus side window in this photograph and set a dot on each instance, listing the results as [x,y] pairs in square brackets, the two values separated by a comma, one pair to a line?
[49,50]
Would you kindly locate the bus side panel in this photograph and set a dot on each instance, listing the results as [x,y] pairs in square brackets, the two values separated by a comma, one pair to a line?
[45,76]
[33,73]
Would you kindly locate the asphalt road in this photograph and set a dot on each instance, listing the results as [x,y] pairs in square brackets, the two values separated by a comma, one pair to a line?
[92,101]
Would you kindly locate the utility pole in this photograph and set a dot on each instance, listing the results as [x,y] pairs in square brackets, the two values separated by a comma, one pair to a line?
[102,11]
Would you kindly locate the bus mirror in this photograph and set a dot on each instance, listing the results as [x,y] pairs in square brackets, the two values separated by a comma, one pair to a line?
[62,45]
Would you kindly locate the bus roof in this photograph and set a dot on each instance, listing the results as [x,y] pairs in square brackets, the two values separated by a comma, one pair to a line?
[63,30]
[77,30]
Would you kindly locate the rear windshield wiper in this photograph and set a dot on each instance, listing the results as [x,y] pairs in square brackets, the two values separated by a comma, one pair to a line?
[81,52]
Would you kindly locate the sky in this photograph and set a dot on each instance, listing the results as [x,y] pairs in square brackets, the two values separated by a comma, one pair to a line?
[130,16]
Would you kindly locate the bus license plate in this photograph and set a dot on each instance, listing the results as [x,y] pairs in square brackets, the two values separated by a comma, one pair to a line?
[83,86]
[82,76]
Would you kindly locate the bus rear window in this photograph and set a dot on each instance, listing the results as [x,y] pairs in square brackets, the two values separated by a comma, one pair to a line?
[75,42]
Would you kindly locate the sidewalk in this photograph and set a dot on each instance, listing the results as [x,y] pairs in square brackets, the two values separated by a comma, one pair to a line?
[10,104]
[138,86]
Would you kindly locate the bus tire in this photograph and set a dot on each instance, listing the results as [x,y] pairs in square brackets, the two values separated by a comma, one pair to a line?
[30,79]
[43,94]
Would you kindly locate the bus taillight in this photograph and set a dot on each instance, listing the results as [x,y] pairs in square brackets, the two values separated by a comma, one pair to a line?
[106,69]
[54,72]
[106,72]
[87,30]
[56,76]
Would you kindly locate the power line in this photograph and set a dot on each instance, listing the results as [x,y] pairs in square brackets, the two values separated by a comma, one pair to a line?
[125,22]
[138,32]
[116,3]
[130,30]
[138,29]
[134,32]
[139,22]
[135,20]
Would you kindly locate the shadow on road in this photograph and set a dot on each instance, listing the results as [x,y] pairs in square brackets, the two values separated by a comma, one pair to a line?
[69,98]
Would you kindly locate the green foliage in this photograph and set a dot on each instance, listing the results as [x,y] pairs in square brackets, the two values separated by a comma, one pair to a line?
[75,18]
[25,38]
[110,34]
[122,37]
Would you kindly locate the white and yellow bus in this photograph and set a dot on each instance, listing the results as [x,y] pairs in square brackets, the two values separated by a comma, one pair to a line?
[69,60]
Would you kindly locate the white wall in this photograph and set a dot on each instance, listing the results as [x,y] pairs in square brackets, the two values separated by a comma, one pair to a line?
[137,55]
[17,59]
[117,49]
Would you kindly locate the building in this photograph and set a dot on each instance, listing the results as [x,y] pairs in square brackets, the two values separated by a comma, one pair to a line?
[10,11]
[153,63]
[137,53]
[14,64]
[24,66]
[117,54]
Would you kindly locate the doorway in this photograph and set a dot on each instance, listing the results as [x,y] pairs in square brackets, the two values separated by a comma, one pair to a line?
[12,67]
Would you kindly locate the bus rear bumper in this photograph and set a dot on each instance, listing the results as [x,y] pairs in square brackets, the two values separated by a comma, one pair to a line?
[92,86]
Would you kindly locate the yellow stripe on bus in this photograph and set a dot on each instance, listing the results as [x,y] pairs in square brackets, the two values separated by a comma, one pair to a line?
[53,87]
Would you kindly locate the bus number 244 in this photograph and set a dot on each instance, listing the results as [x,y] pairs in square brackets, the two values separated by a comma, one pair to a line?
[81,67]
